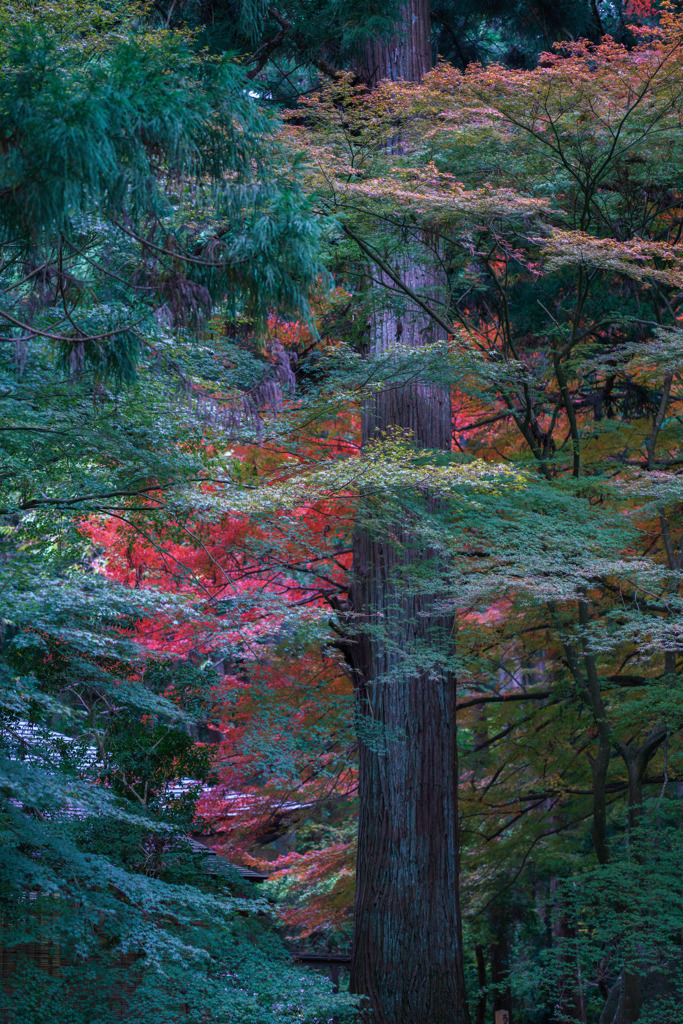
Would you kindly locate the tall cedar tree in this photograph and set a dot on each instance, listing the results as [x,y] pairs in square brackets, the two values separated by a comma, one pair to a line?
[407,868]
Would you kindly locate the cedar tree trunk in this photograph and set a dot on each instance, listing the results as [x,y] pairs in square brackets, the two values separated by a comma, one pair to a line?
[407,953]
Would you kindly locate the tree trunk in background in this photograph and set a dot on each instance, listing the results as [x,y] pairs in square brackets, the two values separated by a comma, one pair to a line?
[408,55]
[499,952]
[568,1000]
[480,954]
[407,953]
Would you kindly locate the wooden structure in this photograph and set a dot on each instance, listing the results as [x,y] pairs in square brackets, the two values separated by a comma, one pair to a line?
[335,962]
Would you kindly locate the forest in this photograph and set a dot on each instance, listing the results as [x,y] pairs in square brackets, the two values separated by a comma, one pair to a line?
[341,512]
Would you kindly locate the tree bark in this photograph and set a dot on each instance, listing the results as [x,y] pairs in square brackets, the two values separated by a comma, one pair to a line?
[407,952]
[407,956]
[407,940]
[569,1004]
[636,760]
[407,56]
[499,952]
[480,954]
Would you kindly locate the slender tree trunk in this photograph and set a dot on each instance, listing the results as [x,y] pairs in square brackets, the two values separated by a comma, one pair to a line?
[480,954]
[636,760]
[407,953]
[599,768]
[499,952]
[600,763]
[568,1003]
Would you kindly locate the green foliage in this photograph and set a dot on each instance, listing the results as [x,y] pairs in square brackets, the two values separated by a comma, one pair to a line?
[620,916]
